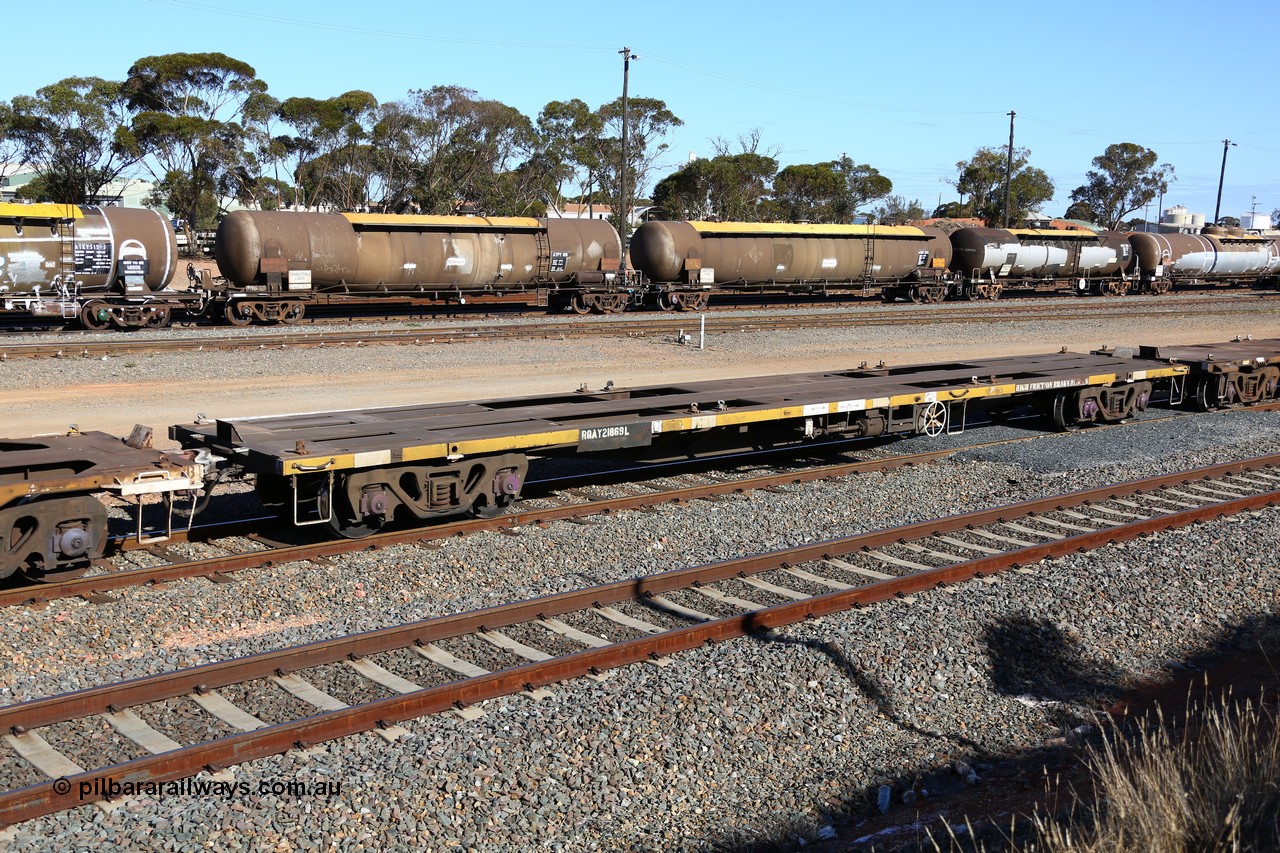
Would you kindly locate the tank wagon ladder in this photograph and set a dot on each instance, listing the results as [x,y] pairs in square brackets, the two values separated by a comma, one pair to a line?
[868,261]
[542,272]
[66,229]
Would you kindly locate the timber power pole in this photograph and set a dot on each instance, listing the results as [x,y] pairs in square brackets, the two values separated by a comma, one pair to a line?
[1008,170]
[1217,208]
[623,218]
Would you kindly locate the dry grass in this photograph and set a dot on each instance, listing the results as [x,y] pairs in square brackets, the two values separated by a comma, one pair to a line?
[1208,783]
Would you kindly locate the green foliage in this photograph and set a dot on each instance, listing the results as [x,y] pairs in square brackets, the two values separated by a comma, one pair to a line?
[729,187]
[648,120]
[953,210]
[335,163]
[569,147]
[201,115]
[982,178]
[831,192]
[896,210]
[75,135]
[1123,179]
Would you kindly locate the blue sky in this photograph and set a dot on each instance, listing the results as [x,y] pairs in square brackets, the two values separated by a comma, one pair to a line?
[909,87]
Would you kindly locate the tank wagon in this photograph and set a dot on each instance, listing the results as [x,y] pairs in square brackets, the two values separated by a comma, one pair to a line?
[355,472]
[1217,256]
[100,265]
[986,261]
[685,262]
[288,256]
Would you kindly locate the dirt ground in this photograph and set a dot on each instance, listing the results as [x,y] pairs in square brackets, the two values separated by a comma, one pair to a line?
[172,388]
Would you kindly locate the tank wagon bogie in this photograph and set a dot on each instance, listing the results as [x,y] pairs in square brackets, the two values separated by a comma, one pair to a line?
[99,265]
[683,262]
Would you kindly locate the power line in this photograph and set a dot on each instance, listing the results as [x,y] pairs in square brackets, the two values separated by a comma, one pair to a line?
[798,93]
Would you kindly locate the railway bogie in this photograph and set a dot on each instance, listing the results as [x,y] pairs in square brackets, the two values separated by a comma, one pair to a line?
[51,526]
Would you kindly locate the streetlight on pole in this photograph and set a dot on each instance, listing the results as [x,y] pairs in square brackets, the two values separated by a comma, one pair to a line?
[1226,143]
[623,218]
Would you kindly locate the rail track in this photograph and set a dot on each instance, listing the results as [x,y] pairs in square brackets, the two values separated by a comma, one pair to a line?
[68,346]
[569,499]
[572,503]
[588,632]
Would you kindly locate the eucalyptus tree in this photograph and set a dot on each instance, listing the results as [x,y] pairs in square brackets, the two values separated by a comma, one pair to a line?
[1123,179]
[982,178]
[198,115]
[75,134]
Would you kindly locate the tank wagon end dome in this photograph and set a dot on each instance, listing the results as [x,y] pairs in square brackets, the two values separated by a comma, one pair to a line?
[238,247]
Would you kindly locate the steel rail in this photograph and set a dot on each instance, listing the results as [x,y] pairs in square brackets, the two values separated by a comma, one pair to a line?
[55,795]
[98,584]
[665,325]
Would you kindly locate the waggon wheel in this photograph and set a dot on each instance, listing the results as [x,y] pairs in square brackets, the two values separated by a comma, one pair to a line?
[238,313]
[292,313]
[581,304]
[95,316]
[668,301]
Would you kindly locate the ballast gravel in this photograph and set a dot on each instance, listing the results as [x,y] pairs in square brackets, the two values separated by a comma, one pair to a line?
[765,740]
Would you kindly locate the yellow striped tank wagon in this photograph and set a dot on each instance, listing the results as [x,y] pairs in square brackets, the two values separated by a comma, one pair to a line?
[358,471]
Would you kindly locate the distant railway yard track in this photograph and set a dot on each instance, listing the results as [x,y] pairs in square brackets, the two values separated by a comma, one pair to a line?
[582,633]
[73,343]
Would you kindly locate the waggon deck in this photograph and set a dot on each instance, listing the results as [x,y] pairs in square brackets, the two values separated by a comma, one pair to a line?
[89,461]
[1218,357]
[362,438]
